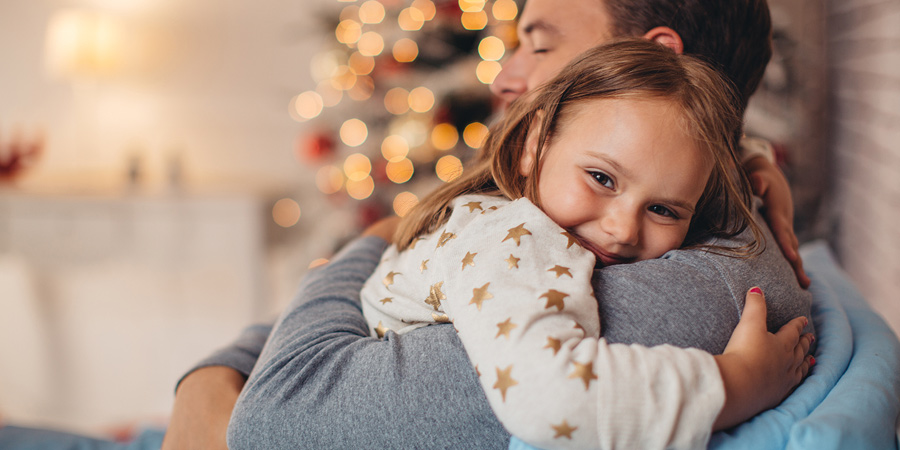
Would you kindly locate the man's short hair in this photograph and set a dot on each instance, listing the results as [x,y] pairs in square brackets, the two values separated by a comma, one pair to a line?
[733,35]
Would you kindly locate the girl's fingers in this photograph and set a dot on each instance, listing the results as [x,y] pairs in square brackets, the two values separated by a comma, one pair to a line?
[754,314]
[790,332]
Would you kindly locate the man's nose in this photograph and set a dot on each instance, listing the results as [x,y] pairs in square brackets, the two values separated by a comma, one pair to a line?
[511,82]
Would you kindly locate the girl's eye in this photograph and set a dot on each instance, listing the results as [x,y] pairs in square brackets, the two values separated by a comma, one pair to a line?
[603,179]
[662,211]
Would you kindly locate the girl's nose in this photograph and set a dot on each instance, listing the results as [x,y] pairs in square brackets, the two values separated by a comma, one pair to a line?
[623,226]
[512,81]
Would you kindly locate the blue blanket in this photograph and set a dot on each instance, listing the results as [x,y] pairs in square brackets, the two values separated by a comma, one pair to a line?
[851,399]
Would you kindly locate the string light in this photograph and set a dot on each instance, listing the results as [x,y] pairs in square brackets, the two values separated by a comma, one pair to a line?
[426,7]
[331,95]
[362,189]
[329,179]
[320,261]
[421,99]
[363,88]
[505,10]
[448,168]
[471,5]
[411,19]
[399,171]
[350,12]
[396,101]
[343,78]
[474,20]
[474,134]
[491,48]
[444,136]
[324,65]
[357,167]
[361,64]
[354,132]
[404,202]
[370,44]
[371,12]
[405,50]
[306,106]
[487,71]
[394,148]
[348,32]
[286,212]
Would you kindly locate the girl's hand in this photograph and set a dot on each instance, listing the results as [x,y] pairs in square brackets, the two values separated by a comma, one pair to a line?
[770,184]
[759,369]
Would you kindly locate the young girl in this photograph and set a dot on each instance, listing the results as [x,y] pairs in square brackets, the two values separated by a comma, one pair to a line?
[625,155]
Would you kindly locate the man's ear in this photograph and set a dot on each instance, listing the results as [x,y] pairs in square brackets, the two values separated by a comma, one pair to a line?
[529,157]
[666,36]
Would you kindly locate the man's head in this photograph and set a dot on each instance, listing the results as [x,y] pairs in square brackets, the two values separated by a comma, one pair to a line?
[733,35]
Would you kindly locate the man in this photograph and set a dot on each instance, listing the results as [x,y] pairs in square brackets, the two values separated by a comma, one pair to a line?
[550,37]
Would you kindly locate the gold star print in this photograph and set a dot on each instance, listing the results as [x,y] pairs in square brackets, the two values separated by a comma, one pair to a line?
[435,296]
[424,265]
[571,237]
[489,209]
[440,318]
[512,261]
[386,300]
[560,271]
[563,430]
[554,298]
[504,380]
[389,279]
[554,344]
[380,330]
[503,328]
[445,237]
[473,206]
[469,260]
[579,327]
[415,241]
[516,234]
[585,372]
[479,295]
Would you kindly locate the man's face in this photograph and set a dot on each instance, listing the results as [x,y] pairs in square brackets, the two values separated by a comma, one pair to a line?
[551,33]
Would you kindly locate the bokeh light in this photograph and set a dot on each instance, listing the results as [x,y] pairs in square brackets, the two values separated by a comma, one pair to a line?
[413,129]
[371,44]
[399,171]
[444,136]
[505,10]
[348,32]
[331,95]
[329,179]
[343,78]
[487,71]
[411,19]
[363,88]
[350,12]
[471,5]
[474,20]
[306,106]
[371,11]
[426,7]
[354,132]
[474,134]
[394,148]
[362,189]
[319,261]
[396,101]
[361,64]
[357,166]
[491,48]
[404,202]
[421,99]
[405,50]
[323,64]
[448,168]
[286,212]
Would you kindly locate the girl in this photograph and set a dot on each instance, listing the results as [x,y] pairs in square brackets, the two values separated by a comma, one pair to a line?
[628,153]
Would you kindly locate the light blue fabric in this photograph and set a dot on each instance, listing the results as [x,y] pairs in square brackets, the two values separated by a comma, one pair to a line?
[852,396]
[23,438]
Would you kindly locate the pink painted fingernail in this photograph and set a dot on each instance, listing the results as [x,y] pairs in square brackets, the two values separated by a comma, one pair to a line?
[812,361]
[756,290]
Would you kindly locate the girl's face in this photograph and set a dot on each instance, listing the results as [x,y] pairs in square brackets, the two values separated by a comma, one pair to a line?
[622,176]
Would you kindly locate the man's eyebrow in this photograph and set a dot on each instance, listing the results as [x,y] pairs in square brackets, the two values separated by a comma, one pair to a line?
[539,25]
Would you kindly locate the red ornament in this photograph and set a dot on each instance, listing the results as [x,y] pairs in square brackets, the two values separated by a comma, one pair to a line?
[314,147]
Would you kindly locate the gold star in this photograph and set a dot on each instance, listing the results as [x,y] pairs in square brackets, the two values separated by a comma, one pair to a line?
[435,296]
[445,237]
[563,430]
[571,237]
[469,260]
[424,265]
[554,344]
[517,233]
[554,298]
[504,380]
[503,328]
[560,271]
[389,279]
[579,327]
[585,372]
[380,330]
[512,261]
[473,206]
[489,209]
[479,295]
[386,300]
[440,318]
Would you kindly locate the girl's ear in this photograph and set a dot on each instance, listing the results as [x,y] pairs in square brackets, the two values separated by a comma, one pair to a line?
[529,157]
[666,36]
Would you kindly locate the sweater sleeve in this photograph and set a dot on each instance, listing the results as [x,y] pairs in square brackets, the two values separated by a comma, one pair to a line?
[240,355]
[322,382]
[517,288]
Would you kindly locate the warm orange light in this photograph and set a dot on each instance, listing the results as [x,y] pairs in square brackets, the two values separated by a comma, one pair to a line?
[411,128]
[399,171]
[361,64]
[363,88]
[421,99]
[394,148]
[357,166]
[444,136]
[331,95]
[474,20]
[354,132]
[329,179]
[343,78]
[474,134]
[410,19]
[448,168]
[286,212]
[371,44]
[81,43]
[350,12]
[362,189]
[471,5]
[404,202]
[491,48]
[505,10]
[426,7]
[396,101]
[320,261]
[306,106]
[405,50]
[348,32]
[371,11]
[487,71]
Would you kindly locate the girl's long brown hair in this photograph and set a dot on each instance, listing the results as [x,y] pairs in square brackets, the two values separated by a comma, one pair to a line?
[628,68]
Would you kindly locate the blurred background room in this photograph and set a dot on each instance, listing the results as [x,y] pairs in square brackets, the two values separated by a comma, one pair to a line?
[170,169]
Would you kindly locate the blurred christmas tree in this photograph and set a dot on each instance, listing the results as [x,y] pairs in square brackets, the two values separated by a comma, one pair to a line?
[402,99]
